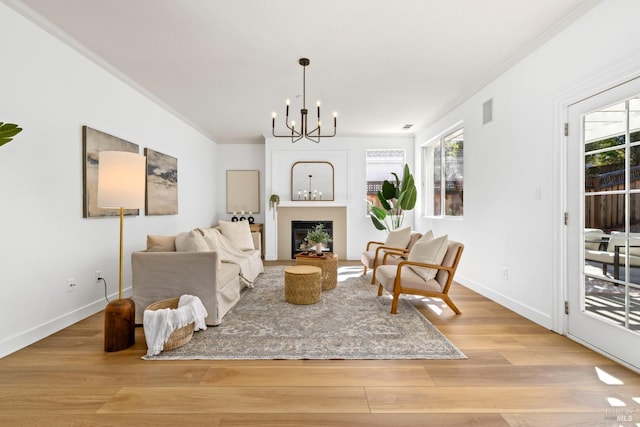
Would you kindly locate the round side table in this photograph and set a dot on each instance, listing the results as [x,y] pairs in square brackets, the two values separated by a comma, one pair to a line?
[302,284]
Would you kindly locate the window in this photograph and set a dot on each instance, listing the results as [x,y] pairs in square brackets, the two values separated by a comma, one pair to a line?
[444,175]
[380,165]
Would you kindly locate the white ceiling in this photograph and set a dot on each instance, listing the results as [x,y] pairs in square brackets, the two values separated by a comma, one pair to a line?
[225,65]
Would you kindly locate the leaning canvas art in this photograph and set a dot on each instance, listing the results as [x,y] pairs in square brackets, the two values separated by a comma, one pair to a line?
[93,142]
[162,183]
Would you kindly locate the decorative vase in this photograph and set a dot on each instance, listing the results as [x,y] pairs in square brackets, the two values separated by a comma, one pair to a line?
[319,248]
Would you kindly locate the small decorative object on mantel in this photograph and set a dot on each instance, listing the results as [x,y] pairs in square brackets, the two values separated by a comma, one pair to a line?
[250,218]
[318,236]
[234,218]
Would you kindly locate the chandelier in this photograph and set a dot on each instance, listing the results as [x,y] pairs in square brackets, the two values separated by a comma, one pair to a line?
[303,132]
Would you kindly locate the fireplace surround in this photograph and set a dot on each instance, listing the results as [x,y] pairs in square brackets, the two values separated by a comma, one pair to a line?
[313,212]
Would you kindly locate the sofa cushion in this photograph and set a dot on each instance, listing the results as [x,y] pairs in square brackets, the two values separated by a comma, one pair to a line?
[190,241]
[429,252]
[399,238]
[209,238]
[161,243]
[239,232]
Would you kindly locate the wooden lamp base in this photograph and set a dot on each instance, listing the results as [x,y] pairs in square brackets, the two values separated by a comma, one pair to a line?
[119,324]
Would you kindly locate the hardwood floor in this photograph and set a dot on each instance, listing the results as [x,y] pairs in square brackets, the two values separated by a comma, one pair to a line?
[517,374]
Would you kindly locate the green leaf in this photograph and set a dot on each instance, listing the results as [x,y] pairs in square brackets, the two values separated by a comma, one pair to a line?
[8,131]
[388,190]
[383,201]
[377,224]
[409,199]
[378,213]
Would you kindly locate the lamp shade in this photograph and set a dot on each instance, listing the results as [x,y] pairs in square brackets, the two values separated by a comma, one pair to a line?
[121,179]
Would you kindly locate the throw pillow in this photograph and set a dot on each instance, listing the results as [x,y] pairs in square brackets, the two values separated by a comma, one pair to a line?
[399,238]
[239,232]
[161,243]
[425,237]
[430,252]
[191,241]
[209,238]
[207,241]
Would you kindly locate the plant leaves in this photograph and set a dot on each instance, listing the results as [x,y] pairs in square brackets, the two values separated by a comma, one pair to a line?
[7,132]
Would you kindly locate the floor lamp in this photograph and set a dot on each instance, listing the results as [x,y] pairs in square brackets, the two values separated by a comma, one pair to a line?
[121,185]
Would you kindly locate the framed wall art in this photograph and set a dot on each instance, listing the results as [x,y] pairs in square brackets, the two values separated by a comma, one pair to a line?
[162,184]
[243,191]
[93,142]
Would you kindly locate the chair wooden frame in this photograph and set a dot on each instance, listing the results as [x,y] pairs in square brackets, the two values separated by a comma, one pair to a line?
[388,249]
[444,295]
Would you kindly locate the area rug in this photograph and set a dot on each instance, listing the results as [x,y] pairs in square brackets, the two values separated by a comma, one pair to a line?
[350,322]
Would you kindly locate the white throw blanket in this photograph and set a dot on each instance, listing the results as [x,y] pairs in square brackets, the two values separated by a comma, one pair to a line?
[230,253]
[160,324]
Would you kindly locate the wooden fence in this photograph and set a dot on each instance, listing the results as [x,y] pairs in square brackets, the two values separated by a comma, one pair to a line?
[606,211]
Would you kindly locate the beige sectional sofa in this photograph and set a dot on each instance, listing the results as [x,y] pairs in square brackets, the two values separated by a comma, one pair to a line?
[194,264]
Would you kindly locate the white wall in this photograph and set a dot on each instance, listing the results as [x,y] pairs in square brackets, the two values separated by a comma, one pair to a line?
[348,154]
[52,91]
[518,154]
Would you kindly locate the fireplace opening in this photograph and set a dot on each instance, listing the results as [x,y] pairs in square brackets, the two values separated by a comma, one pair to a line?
[299,231]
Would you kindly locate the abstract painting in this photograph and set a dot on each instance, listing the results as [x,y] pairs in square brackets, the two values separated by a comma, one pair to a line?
[93,142]
[162,183]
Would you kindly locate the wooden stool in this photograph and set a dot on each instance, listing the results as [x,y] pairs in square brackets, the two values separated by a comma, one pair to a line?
[302,284]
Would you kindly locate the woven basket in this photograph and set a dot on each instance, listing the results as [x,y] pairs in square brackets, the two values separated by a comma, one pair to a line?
[180,336]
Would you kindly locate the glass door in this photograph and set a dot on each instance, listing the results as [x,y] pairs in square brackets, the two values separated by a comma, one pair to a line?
[603,194]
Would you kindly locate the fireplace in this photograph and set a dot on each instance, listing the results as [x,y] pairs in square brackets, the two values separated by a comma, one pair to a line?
[299,231]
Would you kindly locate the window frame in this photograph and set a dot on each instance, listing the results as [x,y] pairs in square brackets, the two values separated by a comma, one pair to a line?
[429,149]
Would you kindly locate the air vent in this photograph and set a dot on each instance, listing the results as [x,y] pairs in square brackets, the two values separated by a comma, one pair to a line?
[487,111]
[407,126]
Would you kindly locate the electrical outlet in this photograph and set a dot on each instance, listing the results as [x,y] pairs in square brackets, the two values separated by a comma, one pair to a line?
[71,284]
[98,276]
[505,273]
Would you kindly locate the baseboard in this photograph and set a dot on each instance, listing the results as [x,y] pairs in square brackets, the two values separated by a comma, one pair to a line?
[542,319]
[26,338]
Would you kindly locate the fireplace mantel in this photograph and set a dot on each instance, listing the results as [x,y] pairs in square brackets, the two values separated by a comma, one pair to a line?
[312,204]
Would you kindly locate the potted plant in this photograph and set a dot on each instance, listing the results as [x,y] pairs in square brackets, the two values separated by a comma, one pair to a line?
[395,199]
[318,236]
[8,131]
[273,204]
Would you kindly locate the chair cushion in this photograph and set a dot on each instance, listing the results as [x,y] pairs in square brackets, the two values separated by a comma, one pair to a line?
[429,252]
[593,238]
[399,238]
[161,243]
[386,275]
[239,232]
